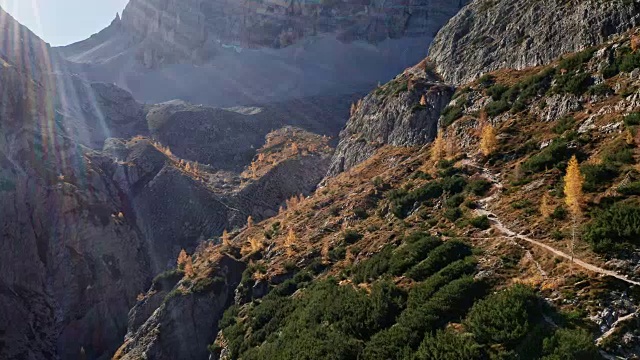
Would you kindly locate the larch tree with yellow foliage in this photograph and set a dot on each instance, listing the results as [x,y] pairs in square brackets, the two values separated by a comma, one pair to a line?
[438,147]
[249,222]
[185,263]
[290,241]
[573,182]
[182,259]
[488,141]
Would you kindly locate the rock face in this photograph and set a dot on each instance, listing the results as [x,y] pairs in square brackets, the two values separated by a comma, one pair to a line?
[227,139]
[227,53]
[85,224]
[488,35]
[185,322]
[72,259]
[404,112]
[191,31]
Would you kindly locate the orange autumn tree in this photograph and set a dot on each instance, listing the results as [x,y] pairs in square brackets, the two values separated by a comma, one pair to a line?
[290,241]
[249,222]
[185,263]
[182,259]
[573,182]
[438,147]
[488,141]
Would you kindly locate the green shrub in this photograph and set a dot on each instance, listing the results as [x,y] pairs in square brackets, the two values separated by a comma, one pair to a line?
[351,236]
[504,317]
[360,213]
[598,175]
[403,202]
[615,228]
[486,80]
[481,222]
[338,253]
[559,213]
[632,119]
[601,90]
[630,62]
[453,184]
[440,257]
[563,124]
[452,113]
[573,83]
[552,156]
[454,201]
[452,214]
[449,345]
[167,280]
[575,61]
[620,156]
[625,60]
[570,344]
[632,188]
[410,254]
[423,291]
[479,187]
[496,108]
[496,91]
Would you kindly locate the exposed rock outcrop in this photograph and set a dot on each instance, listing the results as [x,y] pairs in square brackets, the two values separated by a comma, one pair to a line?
[404,112]
[187,319]
[191,31]
[488,35]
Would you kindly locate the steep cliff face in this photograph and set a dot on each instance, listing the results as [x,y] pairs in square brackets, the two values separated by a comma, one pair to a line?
[488,35]
[404,112]
[227,53]
[190,31]
[85,226]
[186,321]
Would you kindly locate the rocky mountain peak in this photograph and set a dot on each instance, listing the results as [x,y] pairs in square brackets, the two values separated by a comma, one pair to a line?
[487,35]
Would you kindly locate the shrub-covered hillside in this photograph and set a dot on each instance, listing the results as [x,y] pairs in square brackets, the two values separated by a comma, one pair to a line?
[485,244]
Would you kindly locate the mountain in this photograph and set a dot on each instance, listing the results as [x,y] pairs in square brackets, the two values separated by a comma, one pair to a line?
[487,36]
[438,227]
[225,53]
[460,248]
[95,203]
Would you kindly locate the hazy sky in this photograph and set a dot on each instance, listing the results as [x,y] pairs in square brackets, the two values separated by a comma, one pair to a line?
[61,22]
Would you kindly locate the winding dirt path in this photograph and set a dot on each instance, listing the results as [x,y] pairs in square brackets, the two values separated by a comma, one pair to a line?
[510,233]
[497,224]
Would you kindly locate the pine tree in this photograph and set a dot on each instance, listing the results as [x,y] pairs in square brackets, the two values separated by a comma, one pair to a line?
[573,181]
[488,142]
[437,148]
